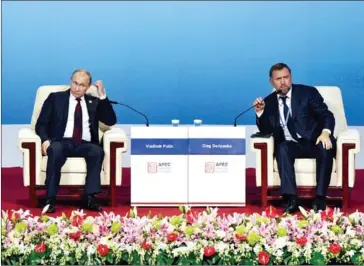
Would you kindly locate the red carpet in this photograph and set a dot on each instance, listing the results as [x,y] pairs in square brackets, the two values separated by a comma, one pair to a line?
[16,196]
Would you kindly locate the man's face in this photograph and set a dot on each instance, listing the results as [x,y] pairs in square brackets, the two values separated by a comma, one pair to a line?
[79,84]
[281,80]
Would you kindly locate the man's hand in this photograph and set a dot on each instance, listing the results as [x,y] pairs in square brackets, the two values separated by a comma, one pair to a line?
[100,88]
[45,146]
[325,139]
[259,105]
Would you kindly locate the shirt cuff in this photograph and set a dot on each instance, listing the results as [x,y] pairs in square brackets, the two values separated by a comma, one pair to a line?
[327,130]
[259,114]
[103,97]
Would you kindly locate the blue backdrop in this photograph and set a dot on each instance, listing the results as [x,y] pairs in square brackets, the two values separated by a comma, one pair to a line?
[183,60]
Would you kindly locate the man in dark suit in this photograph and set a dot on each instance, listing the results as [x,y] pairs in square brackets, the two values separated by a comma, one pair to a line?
[68,127]
[302,127]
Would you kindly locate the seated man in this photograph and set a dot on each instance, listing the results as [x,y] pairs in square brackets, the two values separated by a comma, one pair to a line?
[302,127]
[68,127]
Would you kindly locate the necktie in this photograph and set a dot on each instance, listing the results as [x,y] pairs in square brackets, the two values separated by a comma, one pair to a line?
[287,118]
[285,108]
[77,129]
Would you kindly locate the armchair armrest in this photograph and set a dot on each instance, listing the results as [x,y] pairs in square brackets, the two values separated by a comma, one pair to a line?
[264,148]
[29,144]
[348,144]
[350,136]
[115,143]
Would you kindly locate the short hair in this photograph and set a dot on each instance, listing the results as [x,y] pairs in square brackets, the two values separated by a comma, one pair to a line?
[83,71]
[278,66]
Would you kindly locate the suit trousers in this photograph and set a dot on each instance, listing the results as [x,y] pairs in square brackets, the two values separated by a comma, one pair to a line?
[59,150]
[286,152]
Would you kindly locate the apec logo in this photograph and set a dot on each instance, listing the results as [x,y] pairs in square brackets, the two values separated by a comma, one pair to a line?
[159,167]
[216,167]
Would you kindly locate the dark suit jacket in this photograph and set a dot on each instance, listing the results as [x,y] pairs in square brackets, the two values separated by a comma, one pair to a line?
[310,114]
[52,121]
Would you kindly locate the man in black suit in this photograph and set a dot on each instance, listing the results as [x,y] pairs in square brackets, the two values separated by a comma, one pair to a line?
[302,127]
[68,127]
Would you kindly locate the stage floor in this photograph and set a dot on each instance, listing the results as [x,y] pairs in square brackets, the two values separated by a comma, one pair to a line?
[15,196]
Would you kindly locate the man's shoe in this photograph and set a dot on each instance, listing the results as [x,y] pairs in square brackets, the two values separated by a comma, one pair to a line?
[51,205]
[319,204]
[292,206]
[92,205]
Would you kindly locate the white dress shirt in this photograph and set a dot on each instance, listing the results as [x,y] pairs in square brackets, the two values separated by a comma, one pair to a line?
[282,121]
[86,134]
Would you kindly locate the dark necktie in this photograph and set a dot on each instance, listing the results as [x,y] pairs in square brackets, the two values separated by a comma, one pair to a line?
[285,108]
[77,129]
[287,118]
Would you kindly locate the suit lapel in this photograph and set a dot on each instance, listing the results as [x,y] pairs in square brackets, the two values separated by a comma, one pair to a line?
[275,110]
[90,106]
[294,102]
[65,103]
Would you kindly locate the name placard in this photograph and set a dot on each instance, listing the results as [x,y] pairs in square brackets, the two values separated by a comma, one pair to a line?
[159,146]
[216,146]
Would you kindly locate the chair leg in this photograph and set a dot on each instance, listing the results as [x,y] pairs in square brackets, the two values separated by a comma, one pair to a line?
[113,147]
[264,197]
[112,197]
[263,147]
[33,197]
[32,171]
[345,173]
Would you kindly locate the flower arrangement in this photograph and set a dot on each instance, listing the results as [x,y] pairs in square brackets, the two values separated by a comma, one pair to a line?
[188,238]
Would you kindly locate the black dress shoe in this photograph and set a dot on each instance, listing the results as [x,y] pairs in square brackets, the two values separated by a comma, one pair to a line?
[92,205]
[52,205]
[319,204]
[292,206]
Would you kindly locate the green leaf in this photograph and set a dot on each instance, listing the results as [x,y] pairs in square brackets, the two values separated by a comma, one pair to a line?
[287,260]
[72,260]
[160,259]
[356,259]
[169,260]
[125,256]
[317,259]
[246,262]
[135,258]
[110,258]
[98,261]
[215,259]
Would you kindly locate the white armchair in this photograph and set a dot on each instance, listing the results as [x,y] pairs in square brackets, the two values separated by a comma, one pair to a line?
[74,171]
[343,172]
